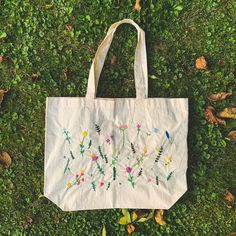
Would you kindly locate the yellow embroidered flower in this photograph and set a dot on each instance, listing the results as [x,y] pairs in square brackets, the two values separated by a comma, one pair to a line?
[117,149]
[84,133]
[168,160]
[82,171]
[68,185]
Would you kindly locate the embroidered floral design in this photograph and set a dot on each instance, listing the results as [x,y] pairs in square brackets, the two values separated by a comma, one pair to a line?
[84,135]
[138,126]
[122,129]
[100,157]
[128,170]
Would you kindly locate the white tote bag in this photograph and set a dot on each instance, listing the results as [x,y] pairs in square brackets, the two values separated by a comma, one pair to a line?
[116,152]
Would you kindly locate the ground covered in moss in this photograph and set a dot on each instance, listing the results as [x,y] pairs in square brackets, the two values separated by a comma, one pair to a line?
[47,49]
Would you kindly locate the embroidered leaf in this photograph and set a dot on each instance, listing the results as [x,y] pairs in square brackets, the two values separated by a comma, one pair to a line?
[67,164]
[157,180]
[159,153]
[98,130]
[169,175]
[108,185]
[132,147]
[105,157]
[167,134]
[114,173]
[93,186]
[72,156]
[130,228]
[140,172]
[159,217]
[90,143]
[101,171]
[100,152]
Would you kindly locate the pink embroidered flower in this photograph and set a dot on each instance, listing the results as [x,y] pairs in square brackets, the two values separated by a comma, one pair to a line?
[128,169]
[76,176]
[94,157]
[149,179]
[145,149]
[101,184]
[138,125]
[123,127]
[78,183]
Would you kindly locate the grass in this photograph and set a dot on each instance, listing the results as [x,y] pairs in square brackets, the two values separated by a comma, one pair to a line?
[43,59]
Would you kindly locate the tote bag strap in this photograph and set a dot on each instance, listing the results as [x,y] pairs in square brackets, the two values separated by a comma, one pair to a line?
[140,62]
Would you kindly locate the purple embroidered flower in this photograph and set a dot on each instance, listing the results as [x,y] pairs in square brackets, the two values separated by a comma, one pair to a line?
[138,125]
[128,169]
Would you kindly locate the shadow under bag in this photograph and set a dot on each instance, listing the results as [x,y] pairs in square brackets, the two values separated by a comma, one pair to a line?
[116,152]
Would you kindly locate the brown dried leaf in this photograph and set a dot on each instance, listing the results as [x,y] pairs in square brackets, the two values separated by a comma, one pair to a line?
[2,92]
[137,6]
[219,96]
[228,112]
[232,135]
[221,62]
[68,27]
[229,196]
[1,58]
[5,159]
[130,228]
[113,60]
[201,63]
[212,118]
[231,234]
[159,217]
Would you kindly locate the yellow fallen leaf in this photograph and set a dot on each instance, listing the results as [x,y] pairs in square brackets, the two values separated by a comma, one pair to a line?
[130,228]
[219,96]
[134,216]
[137,6]
[228,112]
[201,63]
[104,232]
[159,217]
[123,221]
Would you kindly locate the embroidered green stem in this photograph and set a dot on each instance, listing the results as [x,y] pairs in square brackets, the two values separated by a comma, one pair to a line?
[131,179]
[72,156]
[93,186]
[114,173]
[101,171]
[108,185]
[90,144]
[169,175]
[114,160]
[67,135]
[123,138]
[67,164]
[140,172]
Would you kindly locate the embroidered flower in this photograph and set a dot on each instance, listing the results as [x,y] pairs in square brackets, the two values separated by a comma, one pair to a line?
[138,125]
[84,133]
[149,180]
[68,185]
[101,184]
[128,169]
[78,183]
[154,130]
[123,127]
[94,157]
[145,149]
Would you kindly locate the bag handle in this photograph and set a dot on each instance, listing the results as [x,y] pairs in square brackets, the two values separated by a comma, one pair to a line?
[140,62]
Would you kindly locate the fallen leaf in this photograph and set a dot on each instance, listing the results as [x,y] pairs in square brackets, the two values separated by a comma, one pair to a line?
[201,63]
[219,96]
[5,159]
[113,60]
[104,232]
[229,196]
[146,217]
[34,77]
[130,228]
[232,135]
[134,216]
[123,221]
[221,62]
[137,6]
[68,27]
[159,217]
[211,116]
[229,207]
[2,92]
[228,112]
[1,58]
[231,234]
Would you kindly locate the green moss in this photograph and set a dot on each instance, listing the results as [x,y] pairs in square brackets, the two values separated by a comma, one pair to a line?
[33,40]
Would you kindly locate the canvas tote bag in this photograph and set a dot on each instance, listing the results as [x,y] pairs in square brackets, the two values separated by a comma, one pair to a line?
[116,152]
